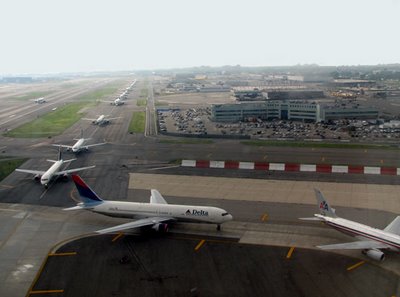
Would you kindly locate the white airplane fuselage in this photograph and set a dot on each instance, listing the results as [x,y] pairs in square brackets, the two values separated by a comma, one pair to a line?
[100,120]
[49,174]
[78,145]
[185,213]
[361,230]
[118,101]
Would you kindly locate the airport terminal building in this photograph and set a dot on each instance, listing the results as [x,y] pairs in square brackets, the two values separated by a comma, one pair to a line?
[288,110]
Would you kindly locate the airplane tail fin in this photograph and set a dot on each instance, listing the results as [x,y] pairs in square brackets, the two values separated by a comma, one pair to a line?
[323,205]
[59,153]
[85,192]
[157,198]
[394,226]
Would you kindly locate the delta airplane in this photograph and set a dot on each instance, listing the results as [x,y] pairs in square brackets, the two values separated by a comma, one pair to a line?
[371,240]
[54,171]
[79,145]
[101,120]
[156,214]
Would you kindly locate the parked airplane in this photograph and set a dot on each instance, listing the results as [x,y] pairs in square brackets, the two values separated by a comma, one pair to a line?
[79,145]
[156,214]
[101,120]
[371,240]
[54,171]
[39,100]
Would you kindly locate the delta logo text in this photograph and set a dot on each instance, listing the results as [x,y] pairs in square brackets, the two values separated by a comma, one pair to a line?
[195,212]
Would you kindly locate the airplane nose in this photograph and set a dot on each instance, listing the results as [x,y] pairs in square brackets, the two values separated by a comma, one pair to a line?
[229,217]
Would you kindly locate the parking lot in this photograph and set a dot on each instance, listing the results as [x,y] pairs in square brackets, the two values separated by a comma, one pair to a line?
[196,121]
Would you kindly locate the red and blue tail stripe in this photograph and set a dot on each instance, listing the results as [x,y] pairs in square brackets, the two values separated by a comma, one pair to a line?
[85,192]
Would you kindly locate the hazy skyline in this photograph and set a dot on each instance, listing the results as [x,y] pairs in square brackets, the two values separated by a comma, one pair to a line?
[49,36]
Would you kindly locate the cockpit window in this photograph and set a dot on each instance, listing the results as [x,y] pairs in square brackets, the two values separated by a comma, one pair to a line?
[225,214]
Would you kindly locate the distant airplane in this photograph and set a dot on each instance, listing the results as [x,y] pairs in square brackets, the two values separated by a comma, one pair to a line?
[371,240]
[118,101]
[79,145]
[101,120]
[39,100]
[156,214]
[53,172]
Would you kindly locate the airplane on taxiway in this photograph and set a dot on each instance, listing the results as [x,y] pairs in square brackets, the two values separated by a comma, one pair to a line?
[79,145]
[371,240]
[118,101]
[156,214]
[39,100]
[54,171]
[101,120]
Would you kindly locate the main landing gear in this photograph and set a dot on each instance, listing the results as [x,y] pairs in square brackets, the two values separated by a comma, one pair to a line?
[218,227]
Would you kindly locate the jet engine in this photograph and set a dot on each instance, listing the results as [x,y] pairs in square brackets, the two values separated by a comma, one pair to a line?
[161,227]
[37,177]
[374,254]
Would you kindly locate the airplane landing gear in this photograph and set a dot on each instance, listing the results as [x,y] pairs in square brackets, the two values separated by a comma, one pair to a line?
[218,227]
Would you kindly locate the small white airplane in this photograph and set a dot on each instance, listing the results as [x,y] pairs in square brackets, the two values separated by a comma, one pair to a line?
[79,145]
[101,120]
[39,100]
[116,102]
[371,240]
[156,214]
[54,171]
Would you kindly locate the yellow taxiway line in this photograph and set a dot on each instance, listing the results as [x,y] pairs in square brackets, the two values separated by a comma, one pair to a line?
[63,254]
[199,245]
[290,252]
[118,236]
[45,292]
[264,217]
[355,265]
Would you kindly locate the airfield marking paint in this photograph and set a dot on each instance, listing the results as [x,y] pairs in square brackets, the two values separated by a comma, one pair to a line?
[7,209]
[7,186]
[118,236]
[199,245]
[63,254]
[264,217]
[72,195]
[289,254]
[355,265]
[45,292]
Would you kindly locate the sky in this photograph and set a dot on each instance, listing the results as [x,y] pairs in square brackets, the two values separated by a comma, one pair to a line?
[52,36]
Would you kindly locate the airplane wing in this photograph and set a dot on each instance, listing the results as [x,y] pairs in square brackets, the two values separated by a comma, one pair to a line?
[109,119]
[355,245]
[96,144]
[31,171]
[86,119]
[135,224]
[62,145]
[73,170]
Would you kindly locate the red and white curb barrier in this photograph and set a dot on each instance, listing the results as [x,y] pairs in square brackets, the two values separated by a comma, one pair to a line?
[292,167]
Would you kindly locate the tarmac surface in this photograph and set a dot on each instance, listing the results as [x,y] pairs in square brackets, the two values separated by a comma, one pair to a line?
[33,221]
[185,265]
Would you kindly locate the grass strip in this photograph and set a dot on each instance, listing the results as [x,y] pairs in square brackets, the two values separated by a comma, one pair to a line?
[8,165]
[137,123]
[51,124]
